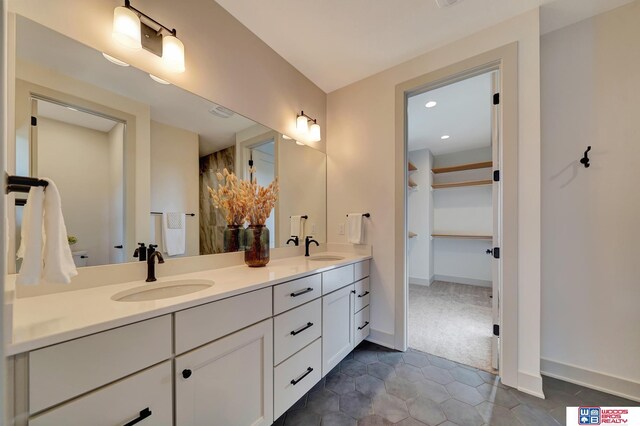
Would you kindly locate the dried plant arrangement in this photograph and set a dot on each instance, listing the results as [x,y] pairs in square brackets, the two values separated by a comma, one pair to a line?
[234,196]
[263,201]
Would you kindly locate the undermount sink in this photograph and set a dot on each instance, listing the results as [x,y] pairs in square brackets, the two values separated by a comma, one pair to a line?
[325,257]
[162,290]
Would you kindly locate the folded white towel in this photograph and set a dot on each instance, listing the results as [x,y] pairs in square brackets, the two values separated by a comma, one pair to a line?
[355,228]
[297,226]
[59,266]
[44,239]
[174,233]
[30,250]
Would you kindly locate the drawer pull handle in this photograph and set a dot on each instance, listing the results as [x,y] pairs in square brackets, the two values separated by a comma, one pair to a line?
[186,373]
[296,381]
[300,330]
[301,292]
[363,294]
[365,324]
[143,415]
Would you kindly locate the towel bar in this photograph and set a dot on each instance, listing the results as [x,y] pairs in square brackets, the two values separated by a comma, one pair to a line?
[365,214]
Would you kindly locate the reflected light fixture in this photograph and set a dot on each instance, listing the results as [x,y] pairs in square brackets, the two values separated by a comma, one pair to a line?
[158,79]
[299,143]
[135,29]
[114,60]
[431,104]
[444,137]
[302,124]
[286,137]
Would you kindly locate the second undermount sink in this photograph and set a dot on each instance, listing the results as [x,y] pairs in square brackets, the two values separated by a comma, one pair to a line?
[162,290]
[325,257]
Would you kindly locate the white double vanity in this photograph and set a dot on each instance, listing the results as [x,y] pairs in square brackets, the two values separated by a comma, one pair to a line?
[240,352]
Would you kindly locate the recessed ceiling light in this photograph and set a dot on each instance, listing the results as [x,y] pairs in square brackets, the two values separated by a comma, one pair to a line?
[431,104]
[158,79]
[220,111]
[445,137]
[114,60]
[300,143]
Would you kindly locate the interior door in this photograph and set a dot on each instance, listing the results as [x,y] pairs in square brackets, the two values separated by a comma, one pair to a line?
[495,264]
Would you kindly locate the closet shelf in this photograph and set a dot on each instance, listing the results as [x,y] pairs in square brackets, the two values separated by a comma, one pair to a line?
[461,184]
[412,167]
[463,236]
[412,234]
[461,167]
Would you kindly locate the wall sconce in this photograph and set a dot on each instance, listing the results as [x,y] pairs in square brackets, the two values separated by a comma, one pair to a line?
[302,124]
[135,30]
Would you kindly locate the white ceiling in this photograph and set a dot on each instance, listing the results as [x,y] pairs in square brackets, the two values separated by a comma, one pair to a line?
[463,112]
[169,104]
[337,42]
[75,117]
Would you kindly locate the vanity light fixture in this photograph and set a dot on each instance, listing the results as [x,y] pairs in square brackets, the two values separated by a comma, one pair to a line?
[114,60]
[158,79]
[445,137]
[431,104]
[302,124]
[135,29]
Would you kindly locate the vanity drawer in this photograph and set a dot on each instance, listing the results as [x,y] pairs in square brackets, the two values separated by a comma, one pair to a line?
[296,376]
[361,325]
[144,395]
[203,324]
[336,278]
[361,270]
[60,372]
[362,295]
[295,329]
[294,293]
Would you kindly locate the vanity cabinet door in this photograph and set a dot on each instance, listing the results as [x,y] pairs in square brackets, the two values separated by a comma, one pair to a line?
[228,382]
[337,327]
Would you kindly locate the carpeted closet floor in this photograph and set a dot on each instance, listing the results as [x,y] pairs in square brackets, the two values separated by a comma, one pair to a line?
[452,321]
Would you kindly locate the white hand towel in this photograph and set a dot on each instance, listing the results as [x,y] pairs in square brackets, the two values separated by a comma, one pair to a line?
[30,250]
[58,260]
[355,228]
[174,233]
[297,226]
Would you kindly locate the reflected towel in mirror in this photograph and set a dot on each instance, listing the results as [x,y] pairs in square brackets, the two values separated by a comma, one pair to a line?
[297,226]
[174,233]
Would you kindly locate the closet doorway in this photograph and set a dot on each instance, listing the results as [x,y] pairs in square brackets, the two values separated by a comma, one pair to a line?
[453,220]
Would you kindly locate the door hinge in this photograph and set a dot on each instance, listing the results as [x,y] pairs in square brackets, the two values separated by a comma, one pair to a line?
[34,121]
[496,98]
[496,175]
[496,330]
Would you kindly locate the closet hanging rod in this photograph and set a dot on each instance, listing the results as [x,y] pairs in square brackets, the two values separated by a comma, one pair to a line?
[23,183]
[364,214]
[186,214]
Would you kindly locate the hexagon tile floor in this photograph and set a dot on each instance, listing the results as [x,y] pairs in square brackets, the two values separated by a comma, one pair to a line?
[374,386]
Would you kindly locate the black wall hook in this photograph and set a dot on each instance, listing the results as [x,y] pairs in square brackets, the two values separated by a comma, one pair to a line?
[585,160]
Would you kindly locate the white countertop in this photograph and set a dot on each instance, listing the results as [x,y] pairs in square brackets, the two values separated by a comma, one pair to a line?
[46,320]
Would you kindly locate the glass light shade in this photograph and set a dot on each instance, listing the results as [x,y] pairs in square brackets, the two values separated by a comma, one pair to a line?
[173,53]
[314,132]
[126,27]
[302,124]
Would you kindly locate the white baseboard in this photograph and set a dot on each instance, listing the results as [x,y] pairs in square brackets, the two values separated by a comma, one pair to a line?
[591,379]
[421,281]
[381,338]
[530,383]
[463,280]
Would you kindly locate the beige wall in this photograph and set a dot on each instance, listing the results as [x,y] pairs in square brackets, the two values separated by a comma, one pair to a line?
[174,180]
[590,233]
[74,157]
[361,154]
[226,63]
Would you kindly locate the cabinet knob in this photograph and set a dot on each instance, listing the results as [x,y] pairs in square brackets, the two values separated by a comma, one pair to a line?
[186,373]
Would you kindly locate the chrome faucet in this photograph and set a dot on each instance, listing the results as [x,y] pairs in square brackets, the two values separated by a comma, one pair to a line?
[294,239]
[151,262]
[307,243]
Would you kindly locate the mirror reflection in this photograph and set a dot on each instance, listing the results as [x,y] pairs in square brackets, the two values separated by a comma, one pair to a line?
[134,158]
